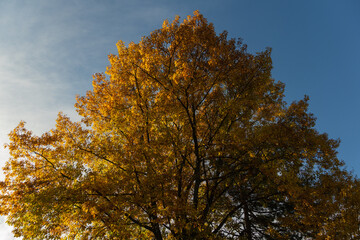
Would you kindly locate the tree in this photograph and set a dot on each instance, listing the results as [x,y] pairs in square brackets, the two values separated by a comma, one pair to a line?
[187,138]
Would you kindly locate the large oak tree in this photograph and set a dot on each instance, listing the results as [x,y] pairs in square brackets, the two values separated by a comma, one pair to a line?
[186,136]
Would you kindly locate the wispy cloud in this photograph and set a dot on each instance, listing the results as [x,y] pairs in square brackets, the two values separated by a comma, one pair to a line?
[50,49]
[5,230]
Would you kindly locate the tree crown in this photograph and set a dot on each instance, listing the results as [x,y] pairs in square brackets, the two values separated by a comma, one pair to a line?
[186,136]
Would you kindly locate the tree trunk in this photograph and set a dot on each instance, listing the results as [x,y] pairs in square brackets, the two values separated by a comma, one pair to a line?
[248,230]
[156,231]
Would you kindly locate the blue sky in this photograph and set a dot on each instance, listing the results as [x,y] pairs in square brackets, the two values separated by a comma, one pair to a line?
[49,50]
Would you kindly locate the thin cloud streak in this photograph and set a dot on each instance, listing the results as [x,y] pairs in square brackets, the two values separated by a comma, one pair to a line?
[48,52]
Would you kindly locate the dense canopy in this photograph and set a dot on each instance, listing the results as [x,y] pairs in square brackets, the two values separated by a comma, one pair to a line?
[186,136]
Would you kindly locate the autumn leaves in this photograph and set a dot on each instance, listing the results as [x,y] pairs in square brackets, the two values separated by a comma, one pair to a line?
[187,137]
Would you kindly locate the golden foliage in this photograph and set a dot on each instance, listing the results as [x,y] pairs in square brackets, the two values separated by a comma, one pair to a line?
[187,138]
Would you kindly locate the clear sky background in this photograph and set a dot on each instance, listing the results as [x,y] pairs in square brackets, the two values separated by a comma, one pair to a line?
[49,50]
